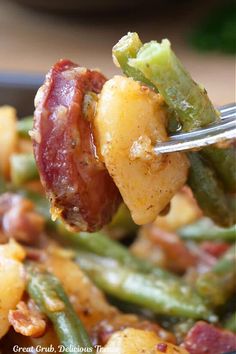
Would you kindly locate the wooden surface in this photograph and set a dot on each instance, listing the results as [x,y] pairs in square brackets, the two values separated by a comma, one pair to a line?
[32,42]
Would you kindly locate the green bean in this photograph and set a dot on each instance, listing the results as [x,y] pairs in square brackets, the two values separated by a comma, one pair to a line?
[223,161]
[3,185]
[100,244]
[230,323]
[218,284]
[48,293]
[159,295]
[159,64]
[97,242]
[232,204]
[128,47]
[23,168]
[122,223]
[208,192]
[24,125]
[126,52]
[205,229]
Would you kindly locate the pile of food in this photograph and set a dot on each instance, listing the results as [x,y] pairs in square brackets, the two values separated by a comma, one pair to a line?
[77,273]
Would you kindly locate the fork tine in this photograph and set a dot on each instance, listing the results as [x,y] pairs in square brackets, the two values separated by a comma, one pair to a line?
[223,129]
[227,109]
[227,106]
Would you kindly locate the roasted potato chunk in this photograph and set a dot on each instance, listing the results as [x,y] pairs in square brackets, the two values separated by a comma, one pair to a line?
[136,341]
[8,137]
[130,119]
[12,281]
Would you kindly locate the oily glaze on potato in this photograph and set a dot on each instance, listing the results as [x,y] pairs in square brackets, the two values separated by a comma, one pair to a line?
[130,119]
[136,341]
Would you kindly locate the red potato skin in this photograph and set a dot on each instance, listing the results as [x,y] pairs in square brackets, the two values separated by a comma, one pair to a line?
[204,338]
[80,190]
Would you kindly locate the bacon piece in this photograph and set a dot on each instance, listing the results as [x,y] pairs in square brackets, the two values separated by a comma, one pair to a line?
[19,220]
[179,256]
[164,248]
[78,185]
[27,320]
[204,338]
[216,249]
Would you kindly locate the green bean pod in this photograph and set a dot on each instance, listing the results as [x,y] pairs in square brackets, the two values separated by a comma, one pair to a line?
[187,103]
[128,47]
[208,191]
[101,245]
[159,295]
[98,242]
[48,293]
[218,284]
[230,323]
[3,185]
[223,161]
[232,204]
[23,168]
[205,230]
[122,223]
[24,125]
[158,63]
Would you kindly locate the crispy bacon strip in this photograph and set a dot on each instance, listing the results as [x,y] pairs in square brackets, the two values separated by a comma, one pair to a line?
[78,185]
[204,338]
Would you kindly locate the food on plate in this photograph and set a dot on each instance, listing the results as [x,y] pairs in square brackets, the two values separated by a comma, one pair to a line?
[93,280]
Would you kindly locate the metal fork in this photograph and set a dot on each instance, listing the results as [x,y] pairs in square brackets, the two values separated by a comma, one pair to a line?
[221,130]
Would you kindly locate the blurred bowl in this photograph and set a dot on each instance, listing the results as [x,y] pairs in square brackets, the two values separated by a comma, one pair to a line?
[85,6]
[18,90]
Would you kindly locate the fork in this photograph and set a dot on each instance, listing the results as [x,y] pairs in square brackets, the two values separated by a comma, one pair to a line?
[219,131]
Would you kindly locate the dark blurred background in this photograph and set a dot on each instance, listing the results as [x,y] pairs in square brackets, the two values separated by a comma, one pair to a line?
[34,34]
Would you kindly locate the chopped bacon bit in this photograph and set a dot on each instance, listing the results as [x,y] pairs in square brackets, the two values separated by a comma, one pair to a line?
[27,320]
[35,254]
[162,347]
[204,338]
[179,256]
[18,218]
[77,183]
[215,249]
